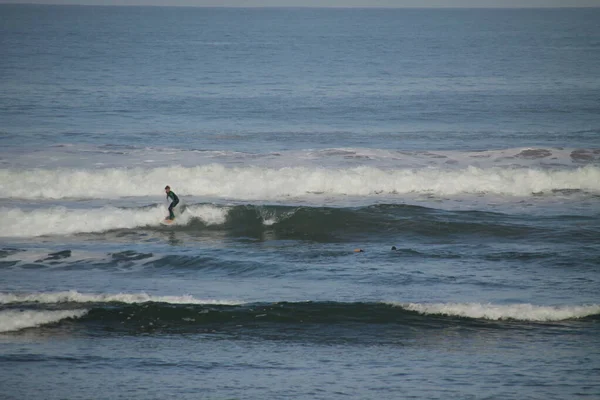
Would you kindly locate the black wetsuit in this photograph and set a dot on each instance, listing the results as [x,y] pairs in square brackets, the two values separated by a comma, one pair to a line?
[174,202]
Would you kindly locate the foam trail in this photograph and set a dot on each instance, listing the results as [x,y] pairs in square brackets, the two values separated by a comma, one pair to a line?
[520,312]
[15,222]
[276,183]
[210,215]
[11,320]
[59,220]
[73,296]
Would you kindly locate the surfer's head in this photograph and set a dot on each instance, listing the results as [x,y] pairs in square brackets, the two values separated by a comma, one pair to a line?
[167,188]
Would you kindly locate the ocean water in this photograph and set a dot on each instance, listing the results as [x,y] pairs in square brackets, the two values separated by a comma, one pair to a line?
[375,204]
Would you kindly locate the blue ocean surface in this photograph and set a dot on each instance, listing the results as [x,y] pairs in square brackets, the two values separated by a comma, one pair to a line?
[375,203]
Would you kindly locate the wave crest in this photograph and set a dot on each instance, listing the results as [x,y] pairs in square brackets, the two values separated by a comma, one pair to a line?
[518,312]
[14,320]
[73,296]
[251,183]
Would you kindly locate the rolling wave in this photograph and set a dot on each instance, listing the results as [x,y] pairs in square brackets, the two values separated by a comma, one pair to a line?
[73,296]
[517,312]
[14,320]
[142,312]
[62,221]
[285,222]
[253,183]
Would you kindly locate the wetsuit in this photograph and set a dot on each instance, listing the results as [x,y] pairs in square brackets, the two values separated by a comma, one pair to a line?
[174,202]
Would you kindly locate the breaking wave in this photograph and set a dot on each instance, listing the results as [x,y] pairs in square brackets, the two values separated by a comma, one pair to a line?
[518,312]
[140,311]
[252,183]
[14,320]
[73,296]
[291,222]
[15,222]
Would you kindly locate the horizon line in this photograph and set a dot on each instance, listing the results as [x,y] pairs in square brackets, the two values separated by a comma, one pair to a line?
[445,7]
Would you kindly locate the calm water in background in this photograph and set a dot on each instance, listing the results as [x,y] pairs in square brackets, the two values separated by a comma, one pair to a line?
[467,139]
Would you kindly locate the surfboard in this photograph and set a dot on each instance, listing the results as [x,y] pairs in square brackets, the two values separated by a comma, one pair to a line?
[167,221]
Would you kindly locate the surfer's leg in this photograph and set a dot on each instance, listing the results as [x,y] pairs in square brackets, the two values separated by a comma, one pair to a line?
[171,207]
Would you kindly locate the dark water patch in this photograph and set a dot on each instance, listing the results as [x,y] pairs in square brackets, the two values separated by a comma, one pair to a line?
[8,264]
[567,192]
[520,256]
[585,155]
[577,262]
[207,264]
[9,251]
[60,255]
[130,255]
[32,266]
[533,154]
[580,234]
[593,318]
[398,251]
[312,322]
[35,358]
[406,252]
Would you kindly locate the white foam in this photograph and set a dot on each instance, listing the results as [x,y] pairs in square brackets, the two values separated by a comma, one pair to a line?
[521,312]
[11,320]
[15,222]
[73,296]
[251,183]
[210,215]
[269,217]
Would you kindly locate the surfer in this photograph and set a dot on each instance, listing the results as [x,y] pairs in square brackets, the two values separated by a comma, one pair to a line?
[174,201]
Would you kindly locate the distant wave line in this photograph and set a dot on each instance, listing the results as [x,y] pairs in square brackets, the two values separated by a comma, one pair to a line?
[225,310]
[281,183]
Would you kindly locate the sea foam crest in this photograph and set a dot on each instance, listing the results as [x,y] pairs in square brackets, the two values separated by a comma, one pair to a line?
[275,183]
[73,296]
[520,312]
[209,215]
[15,222]
[60,220]
[14,320]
